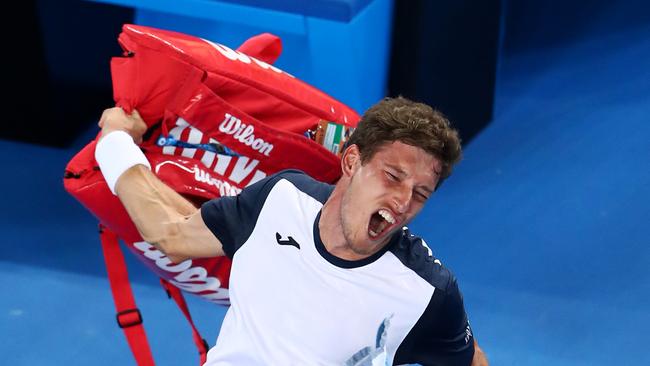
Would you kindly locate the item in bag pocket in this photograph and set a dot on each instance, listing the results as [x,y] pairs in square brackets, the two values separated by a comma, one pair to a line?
[332,136]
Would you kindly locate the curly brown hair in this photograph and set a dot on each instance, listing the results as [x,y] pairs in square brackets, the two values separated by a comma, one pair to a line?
[416,124]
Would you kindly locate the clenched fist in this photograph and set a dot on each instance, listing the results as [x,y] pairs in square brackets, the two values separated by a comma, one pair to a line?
[115,119]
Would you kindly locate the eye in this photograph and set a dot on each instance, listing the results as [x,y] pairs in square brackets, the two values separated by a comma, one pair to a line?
[392,176]
[422,196]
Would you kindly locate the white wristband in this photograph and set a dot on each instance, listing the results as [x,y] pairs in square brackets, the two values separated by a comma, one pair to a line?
[115,153]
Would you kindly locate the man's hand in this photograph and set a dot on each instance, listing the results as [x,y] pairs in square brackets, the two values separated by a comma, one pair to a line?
[162,216]
[479,357]
[115,119]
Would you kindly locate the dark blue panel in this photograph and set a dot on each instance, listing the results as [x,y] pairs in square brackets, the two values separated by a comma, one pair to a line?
[341,10]
[532,24]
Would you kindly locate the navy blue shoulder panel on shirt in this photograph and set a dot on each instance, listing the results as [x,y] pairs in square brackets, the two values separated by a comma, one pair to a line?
[317,190]
[442,335]
[232,219]
[413,252]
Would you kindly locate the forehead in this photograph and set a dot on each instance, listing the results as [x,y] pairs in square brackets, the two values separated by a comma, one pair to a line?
[412,160]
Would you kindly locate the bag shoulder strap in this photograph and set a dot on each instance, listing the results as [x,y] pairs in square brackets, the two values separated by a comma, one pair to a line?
[128,315]
[174,293]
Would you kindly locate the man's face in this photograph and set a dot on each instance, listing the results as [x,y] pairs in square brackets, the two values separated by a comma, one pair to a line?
[385,193]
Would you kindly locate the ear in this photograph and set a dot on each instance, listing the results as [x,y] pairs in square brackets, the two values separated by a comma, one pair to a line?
[350,160]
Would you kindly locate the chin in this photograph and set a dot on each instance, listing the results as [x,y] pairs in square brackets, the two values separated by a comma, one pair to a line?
[364,251]
[370,246]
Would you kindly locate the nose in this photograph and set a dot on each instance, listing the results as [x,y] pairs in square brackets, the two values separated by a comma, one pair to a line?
[402,199]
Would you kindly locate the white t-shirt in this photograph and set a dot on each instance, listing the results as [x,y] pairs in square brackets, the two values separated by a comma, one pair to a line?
[294,303]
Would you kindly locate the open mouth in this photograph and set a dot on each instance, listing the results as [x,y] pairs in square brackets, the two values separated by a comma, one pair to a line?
[380,222]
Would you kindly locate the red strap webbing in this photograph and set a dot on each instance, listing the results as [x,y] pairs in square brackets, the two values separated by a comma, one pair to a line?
[128,315]
[176,294]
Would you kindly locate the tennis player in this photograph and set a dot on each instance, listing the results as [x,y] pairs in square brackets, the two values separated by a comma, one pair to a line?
[321,274]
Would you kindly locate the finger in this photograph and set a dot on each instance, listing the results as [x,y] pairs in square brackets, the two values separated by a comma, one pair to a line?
[138,119]
[139,125]
[108,112]
[102,118]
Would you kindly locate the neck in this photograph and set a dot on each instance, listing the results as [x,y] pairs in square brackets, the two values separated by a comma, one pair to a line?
[331,229]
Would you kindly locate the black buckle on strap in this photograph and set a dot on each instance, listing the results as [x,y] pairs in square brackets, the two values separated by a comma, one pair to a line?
[123,322]
[206,345]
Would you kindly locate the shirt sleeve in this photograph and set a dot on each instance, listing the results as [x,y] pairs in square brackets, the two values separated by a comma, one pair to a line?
[442,335]
[232,218]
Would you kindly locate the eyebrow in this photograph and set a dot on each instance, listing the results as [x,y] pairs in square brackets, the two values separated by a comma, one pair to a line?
[397,169]
[403,173]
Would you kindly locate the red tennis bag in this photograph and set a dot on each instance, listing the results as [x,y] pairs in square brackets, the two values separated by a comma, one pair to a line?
[218,120]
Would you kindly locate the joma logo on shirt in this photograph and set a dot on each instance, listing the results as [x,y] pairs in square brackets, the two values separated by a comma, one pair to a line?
[289,241]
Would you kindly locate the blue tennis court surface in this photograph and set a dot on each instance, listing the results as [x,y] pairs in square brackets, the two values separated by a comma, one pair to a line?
[546,223]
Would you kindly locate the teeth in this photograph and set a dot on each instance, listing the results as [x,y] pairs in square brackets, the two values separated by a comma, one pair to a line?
[372,233]
[387,216]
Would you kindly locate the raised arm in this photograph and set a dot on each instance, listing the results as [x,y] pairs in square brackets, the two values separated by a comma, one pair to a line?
[162,216]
